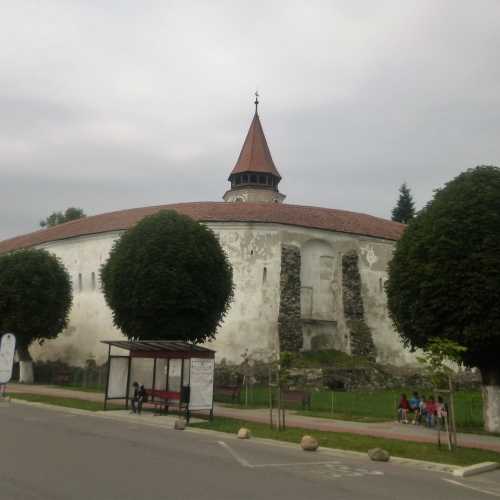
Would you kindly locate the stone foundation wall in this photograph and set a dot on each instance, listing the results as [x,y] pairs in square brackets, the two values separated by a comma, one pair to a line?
[354,313]
[289,319]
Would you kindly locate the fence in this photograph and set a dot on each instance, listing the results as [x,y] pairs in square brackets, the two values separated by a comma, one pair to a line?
[90,377]
[366,406]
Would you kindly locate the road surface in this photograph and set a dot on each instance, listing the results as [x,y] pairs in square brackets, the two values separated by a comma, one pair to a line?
[51,455]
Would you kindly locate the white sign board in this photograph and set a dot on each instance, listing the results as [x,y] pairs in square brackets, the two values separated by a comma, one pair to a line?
[202,384]
[117,382]
[7,350]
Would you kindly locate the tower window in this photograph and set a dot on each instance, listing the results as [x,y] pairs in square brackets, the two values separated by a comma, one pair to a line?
[245,178]
[92,280]
[262,179]
[253,178]
[264,275]
[80,282]
[238,179]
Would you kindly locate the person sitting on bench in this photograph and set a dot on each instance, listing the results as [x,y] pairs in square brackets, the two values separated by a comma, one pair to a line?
[138,398]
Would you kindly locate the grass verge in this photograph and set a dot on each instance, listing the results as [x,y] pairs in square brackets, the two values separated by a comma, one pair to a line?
[80,404]
[355,442]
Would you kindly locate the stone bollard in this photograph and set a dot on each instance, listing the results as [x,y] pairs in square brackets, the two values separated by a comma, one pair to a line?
[179,425]
[379,455]
[308,443]
[244,433]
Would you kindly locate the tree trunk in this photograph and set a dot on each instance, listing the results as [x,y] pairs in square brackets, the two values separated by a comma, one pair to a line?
[491,398]
[26,375]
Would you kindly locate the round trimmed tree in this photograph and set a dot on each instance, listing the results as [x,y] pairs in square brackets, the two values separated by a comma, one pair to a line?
[444,278]
[35,300]
[168,278]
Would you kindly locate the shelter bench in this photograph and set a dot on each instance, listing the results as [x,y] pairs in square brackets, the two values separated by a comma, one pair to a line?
[163,399]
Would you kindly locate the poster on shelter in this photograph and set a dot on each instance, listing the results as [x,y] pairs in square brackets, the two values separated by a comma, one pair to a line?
[202,384]
[7,350]
[117,382]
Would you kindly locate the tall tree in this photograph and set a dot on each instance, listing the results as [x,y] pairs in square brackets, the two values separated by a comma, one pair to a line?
[444,278]
[35,300]
[404,210]
[55,218]
[168,278]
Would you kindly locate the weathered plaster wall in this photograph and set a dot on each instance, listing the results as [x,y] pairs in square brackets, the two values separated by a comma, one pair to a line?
[90,318]
[251,326]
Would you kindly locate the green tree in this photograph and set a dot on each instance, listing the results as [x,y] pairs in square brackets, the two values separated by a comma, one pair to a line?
[168,278]
[444,278]
[404,210]
[35,300]
[56,218]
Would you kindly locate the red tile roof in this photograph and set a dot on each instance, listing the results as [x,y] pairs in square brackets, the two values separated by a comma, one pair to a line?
[255,155]
[294,215]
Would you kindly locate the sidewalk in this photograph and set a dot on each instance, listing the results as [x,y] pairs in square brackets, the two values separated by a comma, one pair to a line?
[391,430]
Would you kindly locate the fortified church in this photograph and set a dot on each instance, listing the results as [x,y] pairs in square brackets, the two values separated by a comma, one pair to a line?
[306,278]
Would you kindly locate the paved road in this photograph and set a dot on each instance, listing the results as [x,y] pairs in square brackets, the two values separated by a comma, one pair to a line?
[383,429]
[53,455]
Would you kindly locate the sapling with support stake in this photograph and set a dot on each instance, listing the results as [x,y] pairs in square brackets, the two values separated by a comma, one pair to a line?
[437,354]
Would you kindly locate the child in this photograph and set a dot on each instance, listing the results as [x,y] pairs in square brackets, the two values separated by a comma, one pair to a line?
[422,413]
[415,407]
[403,409]
[441,412]
[430,410]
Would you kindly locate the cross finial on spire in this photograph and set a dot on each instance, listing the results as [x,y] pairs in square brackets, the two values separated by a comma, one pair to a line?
[256,102]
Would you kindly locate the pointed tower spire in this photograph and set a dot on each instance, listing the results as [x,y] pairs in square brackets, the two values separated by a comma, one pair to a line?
[255,176]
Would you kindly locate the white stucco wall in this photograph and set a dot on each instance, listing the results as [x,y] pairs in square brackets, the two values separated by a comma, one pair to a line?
[254,250]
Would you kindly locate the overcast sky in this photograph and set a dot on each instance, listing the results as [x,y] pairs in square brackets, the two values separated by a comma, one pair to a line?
[107,105]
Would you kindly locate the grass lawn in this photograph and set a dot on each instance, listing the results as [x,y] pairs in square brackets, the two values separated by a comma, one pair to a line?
[355,442]
[66,402]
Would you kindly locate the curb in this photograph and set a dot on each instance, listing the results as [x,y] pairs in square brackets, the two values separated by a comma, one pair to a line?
[475,469]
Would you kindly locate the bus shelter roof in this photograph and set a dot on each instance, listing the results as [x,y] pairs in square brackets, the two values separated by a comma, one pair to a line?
[161,348]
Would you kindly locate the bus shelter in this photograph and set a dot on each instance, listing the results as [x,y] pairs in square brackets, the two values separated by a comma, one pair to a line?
[175,374]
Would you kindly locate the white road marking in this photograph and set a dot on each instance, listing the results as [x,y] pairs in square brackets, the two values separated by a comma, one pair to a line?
[295,463]
[481,490]
[235,455]
[330,469]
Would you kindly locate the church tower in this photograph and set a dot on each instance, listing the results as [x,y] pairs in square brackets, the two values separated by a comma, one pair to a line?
[254,178]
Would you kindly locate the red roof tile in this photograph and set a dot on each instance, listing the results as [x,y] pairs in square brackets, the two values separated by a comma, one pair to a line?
[255,155]
[295,215]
